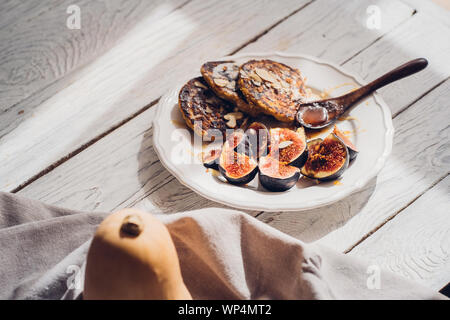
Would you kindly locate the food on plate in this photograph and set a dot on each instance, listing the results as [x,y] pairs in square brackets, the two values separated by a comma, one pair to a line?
[132,256]
[237,168]
[327,159]
[272,87]
[352,150]
[239,142]
[277,176]
[222,77]
[289,146]
[210,158]
[227,96]
[312,115]
[258,136]
[205,113]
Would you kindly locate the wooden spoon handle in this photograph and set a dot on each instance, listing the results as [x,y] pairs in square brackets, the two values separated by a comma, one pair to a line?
[398,73]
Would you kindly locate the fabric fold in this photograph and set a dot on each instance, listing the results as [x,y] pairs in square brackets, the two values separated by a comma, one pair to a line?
[224,254]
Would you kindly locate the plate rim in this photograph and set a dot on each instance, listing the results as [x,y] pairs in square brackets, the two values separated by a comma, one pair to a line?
[357,186]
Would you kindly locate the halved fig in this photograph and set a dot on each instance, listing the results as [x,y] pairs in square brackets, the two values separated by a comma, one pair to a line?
[236,167]
[239,142]
[277,176]
[313,142]
[352,150]
[289,146]
[211,158]
[327,159]
[258,135]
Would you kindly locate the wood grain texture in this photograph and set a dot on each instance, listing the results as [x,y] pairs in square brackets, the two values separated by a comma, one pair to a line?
[139,69]
[121,170]
[438,9]
[419,159]
[345,223]
[332,31]
[408,36]
[37,48]
[416,38]
[97,169]
[416,244]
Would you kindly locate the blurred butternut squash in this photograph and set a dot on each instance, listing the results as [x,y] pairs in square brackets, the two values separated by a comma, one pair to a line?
[132,256]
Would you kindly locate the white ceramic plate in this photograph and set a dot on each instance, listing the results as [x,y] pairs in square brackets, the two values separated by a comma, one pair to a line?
[370,125]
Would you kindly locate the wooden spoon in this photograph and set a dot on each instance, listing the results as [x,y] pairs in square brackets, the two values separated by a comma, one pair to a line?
[320,114]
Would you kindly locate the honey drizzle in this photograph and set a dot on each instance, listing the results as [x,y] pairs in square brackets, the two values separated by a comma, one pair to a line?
[311,134]
[214,173]
[325,94]
[178,123]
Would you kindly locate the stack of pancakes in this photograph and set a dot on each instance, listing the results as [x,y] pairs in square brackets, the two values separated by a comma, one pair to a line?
[228,95]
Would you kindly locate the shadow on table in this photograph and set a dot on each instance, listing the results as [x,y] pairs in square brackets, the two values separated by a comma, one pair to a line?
[162,190]
[312,225]
[167,194]
[315,224]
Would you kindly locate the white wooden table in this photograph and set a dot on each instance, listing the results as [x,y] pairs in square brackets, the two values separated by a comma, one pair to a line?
[77,107]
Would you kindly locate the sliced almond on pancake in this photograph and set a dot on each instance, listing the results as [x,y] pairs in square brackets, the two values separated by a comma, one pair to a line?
[221,82]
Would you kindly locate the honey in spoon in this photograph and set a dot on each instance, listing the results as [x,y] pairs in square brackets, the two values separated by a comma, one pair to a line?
[314,115]
[319,114]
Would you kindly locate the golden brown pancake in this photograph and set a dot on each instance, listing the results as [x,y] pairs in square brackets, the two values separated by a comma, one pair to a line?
[203,110]
[272,87]
[222,77]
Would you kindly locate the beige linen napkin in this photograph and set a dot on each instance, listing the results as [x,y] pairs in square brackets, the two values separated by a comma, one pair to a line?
[224,254]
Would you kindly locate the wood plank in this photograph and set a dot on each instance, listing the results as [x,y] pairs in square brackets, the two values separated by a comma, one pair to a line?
[438,9]
[37,48]
[419,159]
[342,44]
[332,31]
[420,36]
[84,182]
[120,170]
[416,244]
[139,69]
[336,225]
[308,226]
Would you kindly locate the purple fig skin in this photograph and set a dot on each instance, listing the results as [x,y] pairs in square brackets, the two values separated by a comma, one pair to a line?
[336,174]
